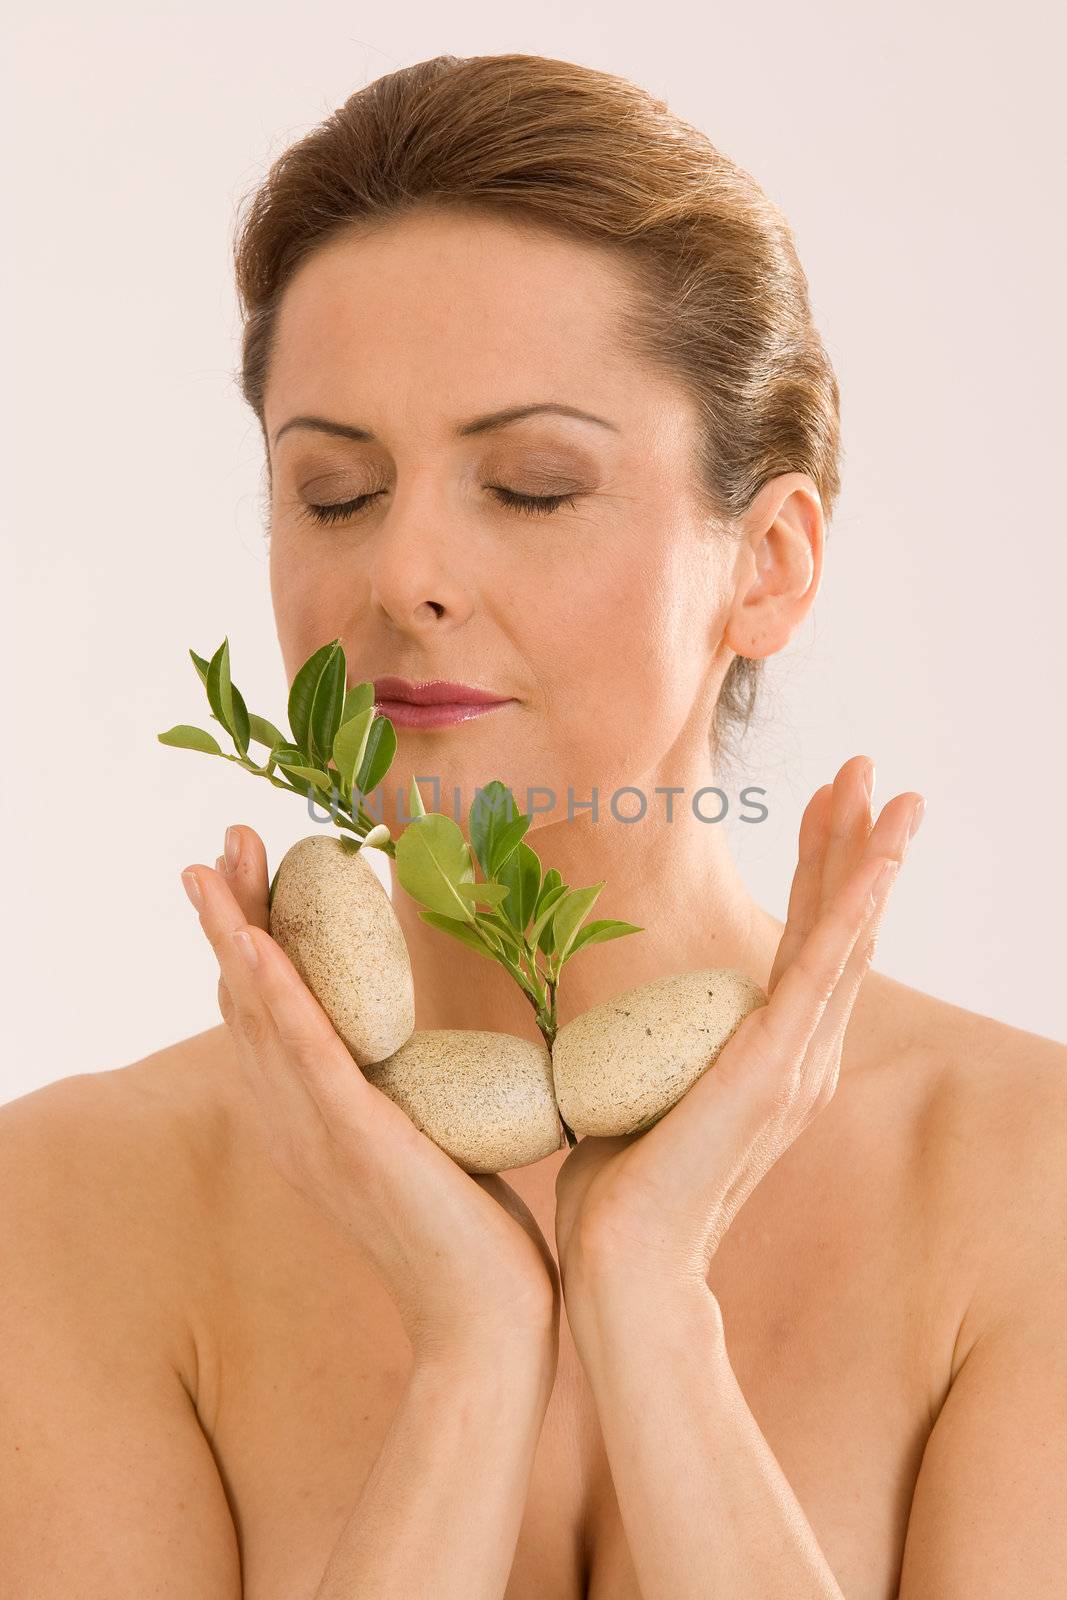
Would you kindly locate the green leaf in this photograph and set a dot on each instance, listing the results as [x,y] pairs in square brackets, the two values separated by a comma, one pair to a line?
[552,880]
[492,813]
[225,698]
[378,757]
[302,693]
[432,859]
[290,753]
[598,932]
[505,843]
[186,737]
[321,780]
[459,930]
[264,732]
[349,747]
[243,720]
[500,926]
[522,874]
[201,665]
[286,756]
[546,904]
[415,805]
[327,705]
[359,698]
[489,893]
[569,914]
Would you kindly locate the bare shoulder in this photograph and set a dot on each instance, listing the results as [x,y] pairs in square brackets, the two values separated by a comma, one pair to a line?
[113,1178]
[987,1144]
[990,1098]
[105,1200]
[987,1081]
[158,1120]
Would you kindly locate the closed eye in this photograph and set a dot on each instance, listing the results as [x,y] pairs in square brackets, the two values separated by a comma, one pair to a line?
[536,505]
[531,505]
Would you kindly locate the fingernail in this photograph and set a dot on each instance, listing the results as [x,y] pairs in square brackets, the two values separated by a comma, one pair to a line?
[916,818]
[233,849]
[246,947]
[868,779]
[192,887]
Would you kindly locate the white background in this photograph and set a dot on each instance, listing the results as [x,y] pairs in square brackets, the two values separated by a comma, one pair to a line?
[918,153]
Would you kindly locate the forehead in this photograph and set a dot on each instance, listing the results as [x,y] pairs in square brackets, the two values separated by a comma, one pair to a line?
[446,315]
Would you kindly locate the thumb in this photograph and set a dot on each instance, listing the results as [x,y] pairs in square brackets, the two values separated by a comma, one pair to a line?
[247,879]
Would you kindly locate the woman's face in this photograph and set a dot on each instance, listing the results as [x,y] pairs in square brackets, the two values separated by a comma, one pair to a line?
[602,619]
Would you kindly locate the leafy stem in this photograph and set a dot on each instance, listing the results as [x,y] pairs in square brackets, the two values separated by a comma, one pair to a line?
[338,747]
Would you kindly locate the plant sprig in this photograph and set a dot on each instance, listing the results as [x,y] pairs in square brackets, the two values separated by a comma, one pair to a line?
[533,924]
[338,748]
[528,921]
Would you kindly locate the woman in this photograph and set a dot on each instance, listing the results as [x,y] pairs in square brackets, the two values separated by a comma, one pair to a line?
[545,414]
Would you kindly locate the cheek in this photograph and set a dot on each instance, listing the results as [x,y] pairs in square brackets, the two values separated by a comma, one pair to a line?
[308,606]
[622,660]
[619,621]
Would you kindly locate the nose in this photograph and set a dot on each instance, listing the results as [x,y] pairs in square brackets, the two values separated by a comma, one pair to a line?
[420,565]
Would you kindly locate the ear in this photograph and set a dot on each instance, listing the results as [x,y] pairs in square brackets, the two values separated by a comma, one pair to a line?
[779,565]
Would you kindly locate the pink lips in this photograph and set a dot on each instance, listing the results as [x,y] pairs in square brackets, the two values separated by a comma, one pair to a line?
[432,705]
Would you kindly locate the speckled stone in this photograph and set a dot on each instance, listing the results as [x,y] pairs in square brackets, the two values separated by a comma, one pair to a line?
[336,923]
[620,1066]
[484,1098]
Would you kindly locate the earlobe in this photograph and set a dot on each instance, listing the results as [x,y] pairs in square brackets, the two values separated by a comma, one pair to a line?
[784,533]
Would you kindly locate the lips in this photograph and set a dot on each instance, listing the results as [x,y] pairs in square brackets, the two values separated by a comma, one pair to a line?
[436,693]
[437,704]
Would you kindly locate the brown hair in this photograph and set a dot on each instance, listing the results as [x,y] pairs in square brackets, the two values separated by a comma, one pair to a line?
[720,299]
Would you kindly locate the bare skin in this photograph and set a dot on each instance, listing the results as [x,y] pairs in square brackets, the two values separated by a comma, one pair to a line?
[208,1347]
[853,1283]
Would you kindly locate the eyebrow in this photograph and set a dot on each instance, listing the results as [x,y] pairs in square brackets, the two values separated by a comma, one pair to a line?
[495,419]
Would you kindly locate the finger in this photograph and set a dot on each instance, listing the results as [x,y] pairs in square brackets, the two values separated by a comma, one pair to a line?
[243,866]
[278,1089]
[896,827]
[804,893]
[786,1028]
[834,832]
[779,1033]
[850,826]
[305,1039]
[822,1064]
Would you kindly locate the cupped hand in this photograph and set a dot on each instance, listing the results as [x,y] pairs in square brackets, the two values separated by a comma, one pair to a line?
[661,1201]
[461,1254]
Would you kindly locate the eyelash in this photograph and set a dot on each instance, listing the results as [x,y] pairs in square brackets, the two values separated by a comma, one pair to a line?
[529,505]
